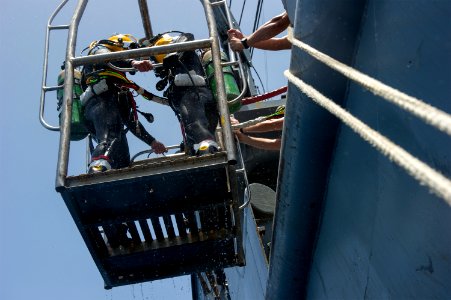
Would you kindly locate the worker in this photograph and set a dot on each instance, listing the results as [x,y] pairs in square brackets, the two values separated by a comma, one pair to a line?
[108,106]
[189,95]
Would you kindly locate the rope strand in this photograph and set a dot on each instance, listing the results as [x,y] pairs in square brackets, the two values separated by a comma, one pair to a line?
[429,114]
[439,184]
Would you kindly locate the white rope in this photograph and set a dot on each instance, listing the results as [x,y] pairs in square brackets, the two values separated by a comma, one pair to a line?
[426,112]
[439,184]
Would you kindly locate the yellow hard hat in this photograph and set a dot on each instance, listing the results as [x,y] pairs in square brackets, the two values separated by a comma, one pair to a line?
[122,41]
[117,42]
[163,40]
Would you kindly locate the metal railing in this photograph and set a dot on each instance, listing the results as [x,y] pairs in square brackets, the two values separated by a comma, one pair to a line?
[66,111]
[71,62]
[44,87]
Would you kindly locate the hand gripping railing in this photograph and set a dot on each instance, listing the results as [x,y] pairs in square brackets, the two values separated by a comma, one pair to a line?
[130,69]
[44,87]
[150,151]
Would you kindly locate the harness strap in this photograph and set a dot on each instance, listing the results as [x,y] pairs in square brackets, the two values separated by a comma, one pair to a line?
[101,157]
[106,74]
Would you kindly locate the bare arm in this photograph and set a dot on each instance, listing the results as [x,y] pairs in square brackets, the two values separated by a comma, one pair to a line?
[141,133]
[261,143]
[274,44]
[265,126]
[262,38]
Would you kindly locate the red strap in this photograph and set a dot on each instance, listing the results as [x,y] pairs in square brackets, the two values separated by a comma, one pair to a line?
[100,157]
[258,98]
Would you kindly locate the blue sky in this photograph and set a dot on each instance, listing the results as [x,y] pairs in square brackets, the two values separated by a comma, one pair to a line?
[42,255]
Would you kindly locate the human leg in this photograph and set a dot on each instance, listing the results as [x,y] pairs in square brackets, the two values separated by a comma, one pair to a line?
[198,115]
[106,125]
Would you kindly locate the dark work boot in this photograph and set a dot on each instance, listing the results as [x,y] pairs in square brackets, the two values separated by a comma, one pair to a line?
[98,166]
[206,147]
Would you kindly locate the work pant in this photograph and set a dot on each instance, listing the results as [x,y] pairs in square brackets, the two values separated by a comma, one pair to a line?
[197,111]
[105,123]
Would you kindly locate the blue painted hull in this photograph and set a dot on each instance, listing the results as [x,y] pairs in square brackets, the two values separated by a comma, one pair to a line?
[364,228]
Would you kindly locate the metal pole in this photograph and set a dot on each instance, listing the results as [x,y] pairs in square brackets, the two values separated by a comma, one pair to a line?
[220,89]
[142,52]
[44,87]
[145,18]
[233,57]
[63,153]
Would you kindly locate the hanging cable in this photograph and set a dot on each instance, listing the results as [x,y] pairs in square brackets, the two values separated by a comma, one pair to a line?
[258,13]
[242,10]
[259,79]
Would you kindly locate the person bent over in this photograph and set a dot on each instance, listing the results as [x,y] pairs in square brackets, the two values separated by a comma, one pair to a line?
[189,95]
[109,107]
